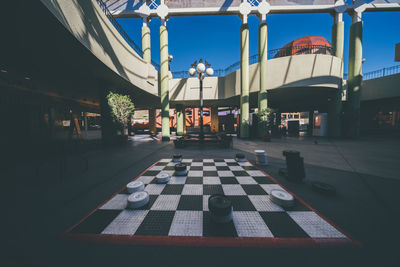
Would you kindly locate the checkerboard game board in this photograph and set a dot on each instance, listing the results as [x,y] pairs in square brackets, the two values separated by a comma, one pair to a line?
[177,212]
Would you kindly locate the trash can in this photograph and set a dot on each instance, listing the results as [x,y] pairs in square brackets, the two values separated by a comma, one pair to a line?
[295,166]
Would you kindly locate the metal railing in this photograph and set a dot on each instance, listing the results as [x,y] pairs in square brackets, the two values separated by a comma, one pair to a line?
[123,33]
[377,73]
[274,53]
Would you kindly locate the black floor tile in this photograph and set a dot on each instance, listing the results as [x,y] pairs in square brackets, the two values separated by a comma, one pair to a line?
[281,225]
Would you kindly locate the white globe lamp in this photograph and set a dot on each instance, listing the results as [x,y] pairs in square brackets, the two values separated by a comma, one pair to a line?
[192,72]
[210,71]
[201,67]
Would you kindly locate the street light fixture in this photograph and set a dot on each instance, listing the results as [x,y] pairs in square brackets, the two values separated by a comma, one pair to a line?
[200,68]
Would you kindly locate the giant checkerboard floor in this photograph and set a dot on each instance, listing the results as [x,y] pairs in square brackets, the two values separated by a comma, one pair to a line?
[177,213]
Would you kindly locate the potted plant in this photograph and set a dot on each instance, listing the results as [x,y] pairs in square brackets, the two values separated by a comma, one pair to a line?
[122,108]
[266,121]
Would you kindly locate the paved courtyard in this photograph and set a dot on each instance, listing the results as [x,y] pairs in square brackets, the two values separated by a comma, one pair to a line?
[365,173]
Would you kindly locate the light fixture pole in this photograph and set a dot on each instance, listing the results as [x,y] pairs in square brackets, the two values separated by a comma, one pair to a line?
[200,68]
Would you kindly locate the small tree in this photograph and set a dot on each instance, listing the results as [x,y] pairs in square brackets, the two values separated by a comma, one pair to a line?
[122,108]
[265,120]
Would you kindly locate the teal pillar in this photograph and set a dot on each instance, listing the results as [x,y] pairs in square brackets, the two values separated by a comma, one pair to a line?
[262,93]
[335,103]
[355,78]
[180,119]
[164,77]
[146,41]
[244,81]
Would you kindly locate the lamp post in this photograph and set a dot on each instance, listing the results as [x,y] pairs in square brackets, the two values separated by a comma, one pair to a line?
[200,68]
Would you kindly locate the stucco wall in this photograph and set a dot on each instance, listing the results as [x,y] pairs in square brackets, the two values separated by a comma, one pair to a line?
[284,72]
[384,87]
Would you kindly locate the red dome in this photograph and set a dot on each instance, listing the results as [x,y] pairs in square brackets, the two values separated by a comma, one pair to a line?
[306,45]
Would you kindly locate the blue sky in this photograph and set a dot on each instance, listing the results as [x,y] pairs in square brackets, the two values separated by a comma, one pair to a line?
[216,38]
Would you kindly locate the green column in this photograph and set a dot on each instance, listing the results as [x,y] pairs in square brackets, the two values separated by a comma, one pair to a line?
[164,82]
[354,80]
[262,93]
[180,119]
[244,81]
[335,104]
[146,43]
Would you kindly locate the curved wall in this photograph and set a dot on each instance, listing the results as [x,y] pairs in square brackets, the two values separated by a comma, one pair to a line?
[298,71]
[87,23]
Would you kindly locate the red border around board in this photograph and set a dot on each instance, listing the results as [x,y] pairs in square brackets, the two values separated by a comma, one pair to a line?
[266,242]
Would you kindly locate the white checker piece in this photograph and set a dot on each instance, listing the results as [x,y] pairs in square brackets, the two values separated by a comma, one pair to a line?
[211,180]
[255,173]
[208,160]
[264,203]
[165,160]
[225,174]
[154,189]
[195,174]
[192,189]
[236,168]
[118,202]
[177,180]
[199,164]
[245,180]
[314,226]
[269,187]
[233,190]
[221,164]
[209,168]
[187,223]
[126,223]
[166,202]
[157,168]
[205,203]
[145,179]
[250,224]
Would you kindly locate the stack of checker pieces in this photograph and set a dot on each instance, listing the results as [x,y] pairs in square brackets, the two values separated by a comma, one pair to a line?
[180,209]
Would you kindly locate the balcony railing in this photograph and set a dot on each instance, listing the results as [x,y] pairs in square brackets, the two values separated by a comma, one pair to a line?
[275,53]
[378,73]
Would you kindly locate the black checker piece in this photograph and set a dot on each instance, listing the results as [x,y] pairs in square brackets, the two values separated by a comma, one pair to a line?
[253,189]
[263,180]
[190,203]
[241,203]
[228,180]
[157,222]
[194,180]
[282,225]
[96,222]
[211,228]
[172,189]
[211,189]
